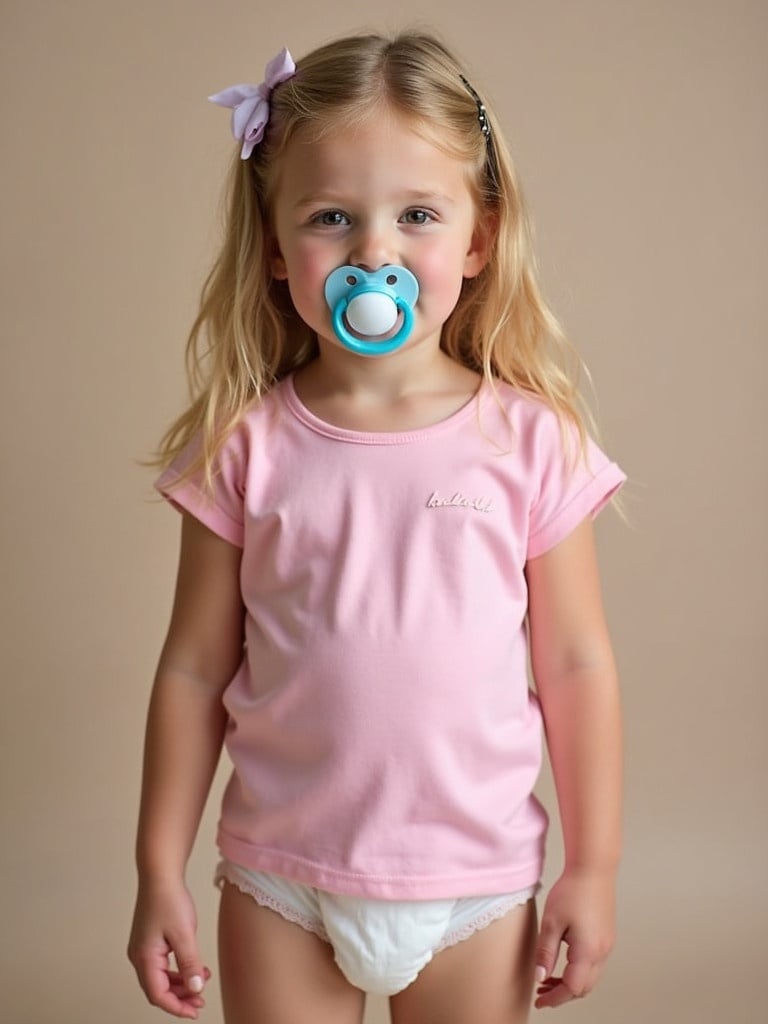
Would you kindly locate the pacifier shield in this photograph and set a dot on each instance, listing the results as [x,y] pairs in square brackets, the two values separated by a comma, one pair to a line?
[366,307]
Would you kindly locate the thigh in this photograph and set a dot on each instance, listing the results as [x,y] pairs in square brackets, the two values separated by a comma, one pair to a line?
[485,979]
[275,972]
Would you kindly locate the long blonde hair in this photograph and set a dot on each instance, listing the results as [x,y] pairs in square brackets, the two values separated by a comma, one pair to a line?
[247,336]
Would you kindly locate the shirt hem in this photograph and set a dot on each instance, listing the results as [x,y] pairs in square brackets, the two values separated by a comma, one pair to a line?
[377,886]
[185,497]
[589,501]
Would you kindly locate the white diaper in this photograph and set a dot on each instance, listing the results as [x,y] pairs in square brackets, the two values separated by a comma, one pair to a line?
[379,945]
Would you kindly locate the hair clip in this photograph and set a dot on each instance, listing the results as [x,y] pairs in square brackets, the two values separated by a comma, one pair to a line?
[482,115]
[250,103]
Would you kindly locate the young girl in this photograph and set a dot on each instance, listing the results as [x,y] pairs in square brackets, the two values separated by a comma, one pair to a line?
[387,495]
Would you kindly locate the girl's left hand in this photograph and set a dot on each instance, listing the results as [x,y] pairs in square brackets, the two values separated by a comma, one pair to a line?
[579,911]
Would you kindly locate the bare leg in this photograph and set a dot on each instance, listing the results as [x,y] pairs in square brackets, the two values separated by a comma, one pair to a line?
[275,972]
[486,979]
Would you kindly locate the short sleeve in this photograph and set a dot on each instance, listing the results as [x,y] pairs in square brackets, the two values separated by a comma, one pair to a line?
[220,509]
[571,485]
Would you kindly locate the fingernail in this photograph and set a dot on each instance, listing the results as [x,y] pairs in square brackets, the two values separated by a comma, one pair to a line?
[541,973]
[196,984]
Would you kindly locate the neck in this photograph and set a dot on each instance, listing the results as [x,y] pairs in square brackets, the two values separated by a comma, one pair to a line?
[379,380]
[405,390]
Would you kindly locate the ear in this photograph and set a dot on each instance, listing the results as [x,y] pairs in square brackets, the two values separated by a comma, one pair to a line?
[275,259]
[481,244]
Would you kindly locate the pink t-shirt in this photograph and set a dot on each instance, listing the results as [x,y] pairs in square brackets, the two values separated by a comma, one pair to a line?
[384,739]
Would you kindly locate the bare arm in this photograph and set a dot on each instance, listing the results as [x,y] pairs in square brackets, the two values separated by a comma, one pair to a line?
[576,680]
[185,730]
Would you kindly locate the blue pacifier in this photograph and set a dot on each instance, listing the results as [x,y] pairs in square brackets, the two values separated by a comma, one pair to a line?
[370,304]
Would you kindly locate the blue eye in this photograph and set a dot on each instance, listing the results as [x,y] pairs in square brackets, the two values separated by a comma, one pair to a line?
[331,218]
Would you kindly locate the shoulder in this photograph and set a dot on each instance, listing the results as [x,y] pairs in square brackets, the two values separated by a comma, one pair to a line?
[522,405]
[521,422]
[263,411]
[259,420]
[557,459]
[226,462]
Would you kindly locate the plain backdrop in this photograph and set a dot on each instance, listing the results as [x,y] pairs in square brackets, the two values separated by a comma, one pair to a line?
[639,129]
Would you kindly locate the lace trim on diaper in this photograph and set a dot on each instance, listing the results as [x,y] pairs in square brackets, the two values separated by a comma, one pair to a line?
[229,873]
[494,913]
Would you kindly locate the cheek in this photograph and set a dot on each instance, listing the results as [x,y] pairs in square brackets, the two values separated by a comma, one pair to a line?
[440,275]
[306,276]
[307,273]
[304,266]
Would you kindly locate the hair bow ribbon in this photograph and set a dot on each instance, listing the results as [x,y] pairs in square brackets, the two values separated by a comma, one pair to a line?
[250,103]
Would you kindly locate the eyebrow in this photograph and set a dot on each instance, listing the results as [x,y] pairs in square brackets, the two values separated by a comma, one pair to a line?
[409,195]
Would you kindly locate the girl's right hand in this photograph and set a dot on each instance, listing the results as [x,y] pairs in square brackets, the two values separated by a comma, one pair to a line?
[165,924]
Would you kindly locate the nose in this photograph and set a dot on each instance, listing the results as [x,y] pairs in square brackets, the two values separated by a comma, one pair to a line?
[372,249]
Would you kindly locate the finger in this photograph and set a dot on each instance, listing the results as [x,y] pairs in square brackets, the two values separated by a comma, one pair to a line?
[577,981]
[548,947]
[179,988]
[580,977]
[189,965]
[152,970]
[162,994]
[166,989]
[178,979]
[553,993]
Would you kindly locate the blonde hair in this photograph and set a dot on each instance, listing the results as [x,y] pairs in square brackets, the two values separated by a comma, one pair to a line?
[247,335]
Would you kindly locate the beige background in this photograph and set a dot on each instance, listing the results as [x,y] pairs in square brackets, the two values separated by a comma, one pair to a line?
[640,131]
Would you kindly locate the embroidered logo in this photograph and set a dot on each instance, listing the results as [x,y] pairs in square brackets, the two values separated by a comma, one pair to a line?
[458,500]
